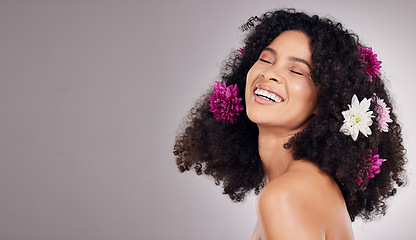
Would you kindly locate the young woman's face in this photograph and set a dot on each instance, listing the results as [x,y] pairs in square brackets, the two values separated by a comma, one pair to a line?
[280,92]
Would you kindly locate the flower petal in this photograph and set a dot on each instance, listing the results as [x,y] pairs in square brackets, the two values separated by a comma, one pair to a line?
[224,102]
[354,101]
[357,118]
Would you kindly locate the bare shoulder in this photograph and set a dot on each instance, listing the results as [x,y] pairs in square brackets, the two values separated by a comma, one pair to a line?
[301,188]
[285,209]
[300,205]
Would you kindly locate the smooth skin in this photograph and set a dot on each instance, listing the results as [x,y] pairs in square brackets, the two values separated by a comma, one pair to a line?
[298,201]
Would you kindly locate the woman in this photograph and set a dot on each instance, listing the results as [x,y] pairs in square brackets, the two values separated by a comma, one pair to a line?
[302,117]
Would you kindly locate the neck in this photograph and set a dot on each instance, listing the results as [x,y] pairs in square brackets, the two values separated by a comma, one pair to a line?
[275,158]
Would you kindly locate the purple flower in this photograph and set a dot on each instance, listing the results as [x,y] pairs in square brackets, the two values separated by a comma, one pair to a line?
[373,165]
[224,102]
[242,50]
[372,64]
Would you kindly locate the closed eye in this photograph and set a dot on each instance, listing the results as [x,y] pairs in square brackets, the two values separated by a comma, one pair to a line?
[296,72]
[263,60]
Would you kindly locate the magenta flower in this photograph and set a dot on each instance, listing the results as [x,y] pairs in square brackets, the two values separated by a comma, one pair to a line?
[373,165]
[372,64]
[360,181]
[383,115]
[242,50]
[224,102]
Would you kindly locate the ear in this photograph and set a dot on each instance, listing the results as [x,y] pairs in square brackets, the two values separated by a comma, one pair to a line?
[315,111]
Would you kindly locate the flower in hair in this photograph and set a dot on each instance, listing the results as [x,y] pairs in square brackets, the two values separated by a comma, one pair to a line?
[242,50]
[372,64]
[373,165]
[357,118]
[383,115]
[224,102]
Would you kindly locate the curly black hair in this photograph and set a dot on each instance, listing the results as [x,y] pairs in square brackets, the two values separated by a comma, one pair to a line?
[229,152]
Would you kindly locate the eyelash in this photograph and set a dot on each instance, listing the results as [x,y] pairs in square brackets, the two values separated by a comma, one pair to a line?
[298,73]
[295,72]
[262,60]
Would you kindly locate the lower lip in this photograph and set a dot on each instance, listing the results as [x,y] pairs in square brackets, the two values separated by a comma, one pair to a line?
[263,101]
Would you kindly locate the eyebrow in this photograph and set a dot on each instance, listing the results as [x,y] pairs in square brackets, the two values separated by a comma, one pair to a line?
[290,58]
[301,61]
[270,50]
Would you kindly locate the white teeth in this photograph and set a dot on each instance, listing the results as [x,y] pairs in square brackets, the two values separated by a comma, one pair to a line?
[267,94]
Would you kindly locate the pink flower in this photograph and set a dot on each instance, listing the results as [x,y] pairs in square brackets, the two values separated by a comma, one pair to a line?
[359,181]
[372,64]
[373,165]
[383,115]
[242,50]
[224,102]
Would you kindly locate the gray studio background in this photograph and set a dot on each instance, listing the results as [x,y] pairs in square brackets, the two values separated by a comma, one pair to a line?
[92,92]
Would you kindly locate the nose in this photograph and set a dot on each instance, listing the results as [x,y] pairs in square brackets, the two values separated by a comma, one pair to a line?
[272,76]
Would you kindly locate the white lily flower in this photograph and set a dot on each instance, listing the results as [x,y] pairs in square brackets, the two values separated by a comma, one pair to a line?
[357,118]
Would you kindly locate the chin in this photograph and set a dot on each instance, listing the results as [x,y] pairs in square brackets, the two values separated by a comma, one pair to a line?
[255,117]
[261,119]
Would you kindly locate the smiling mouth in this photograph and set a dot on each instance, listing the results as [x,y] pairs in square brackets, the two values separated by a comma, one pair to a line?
[262,93]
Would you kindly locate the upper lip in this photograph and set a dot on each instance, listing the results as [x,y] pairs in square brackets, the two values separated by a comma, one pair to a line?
[264,87]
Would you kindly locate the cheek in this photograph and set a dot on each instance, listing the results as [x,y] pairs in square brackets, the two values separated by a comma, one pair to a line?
[305,87]
[251,74]
[249,80]
[306,91]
